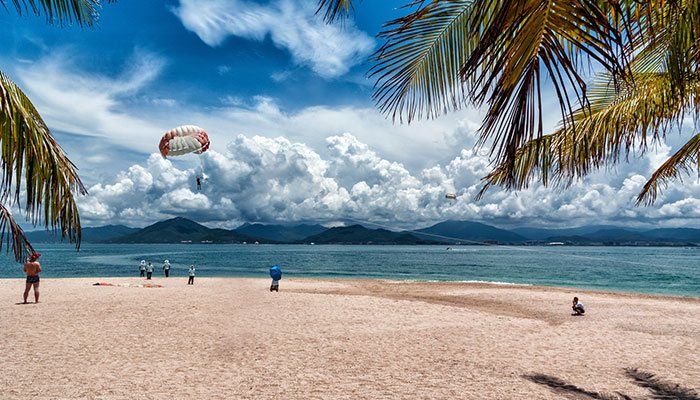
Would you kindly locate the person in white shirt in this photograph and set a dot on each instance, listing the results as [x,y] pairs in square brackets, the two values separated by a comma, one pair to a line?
[149,270]
[166,268]
[142,267]
[191,280]
[578,307]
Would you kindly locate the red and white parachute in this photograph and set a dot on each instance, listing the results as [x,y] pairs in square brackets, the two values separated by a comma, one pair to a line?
[182,140]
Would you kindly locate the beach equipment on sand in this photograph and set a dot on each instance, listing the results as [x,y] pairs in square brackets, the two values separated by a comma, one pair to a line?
[143,285]
[275,272]
[183,140]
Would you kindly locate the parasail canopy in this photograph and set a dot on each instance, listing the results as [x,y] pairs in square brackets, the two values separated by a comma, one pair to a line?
[275,272]
[450,196]
[182,140]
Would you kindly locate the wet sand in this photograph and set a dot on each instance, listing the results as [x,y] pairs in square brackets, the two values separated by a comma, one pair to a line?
[341,339]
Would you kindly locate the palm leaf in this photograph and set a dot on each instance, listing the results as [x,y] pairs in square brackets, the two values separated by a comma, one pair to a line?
[618,121]
[683,161]
[622,116]
[15,238]
[335,9]
[50,177]
[535,41]
[417,69]
[82,12]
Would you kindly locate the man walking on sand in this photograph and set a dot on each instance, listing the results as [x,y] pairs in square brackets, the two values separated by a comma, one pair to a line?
[32,269]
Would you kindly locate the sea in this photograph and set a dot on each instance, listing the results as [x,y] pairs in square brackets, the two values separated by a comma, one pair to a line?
[671,271]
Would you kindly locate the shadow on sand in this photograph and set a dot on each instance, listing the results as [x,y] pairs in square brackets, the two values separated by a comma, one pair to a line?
[660,389]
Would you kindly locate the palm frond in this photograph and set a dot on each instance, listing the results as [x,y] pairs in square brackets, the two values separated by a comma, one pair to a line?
[622,115]
[620,119]
[50,177]
[417,69]
[12,236]
[334,9]
[529,41]
[82,12]
[683,161]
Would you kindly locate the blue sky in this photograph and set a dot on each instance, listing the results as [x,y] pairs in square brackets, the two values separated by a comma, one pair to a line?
[295,135]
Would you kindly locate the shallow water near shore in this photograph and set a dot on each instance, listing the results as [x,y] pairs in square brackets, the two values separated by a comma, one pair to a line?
[653,270]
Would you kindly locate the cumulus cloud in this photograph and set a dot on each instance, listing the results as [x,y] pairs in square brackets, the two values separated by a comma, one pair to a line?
[329,50]
[271,180]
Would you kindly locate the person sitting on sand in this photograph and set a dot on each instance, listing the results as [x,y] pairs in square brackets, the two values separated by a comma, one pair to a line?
[578,307]
[32,268]
[142,268]
[149,270]
[190,281]
[166,268]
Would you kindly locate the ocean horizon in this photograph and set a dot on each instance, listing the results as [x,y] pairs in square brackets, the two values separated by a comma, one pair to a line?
[649,270]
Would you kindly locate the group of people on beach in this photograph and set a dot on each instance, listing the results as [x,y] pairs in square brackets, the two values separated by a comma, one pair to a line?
[146,268]
[32,269]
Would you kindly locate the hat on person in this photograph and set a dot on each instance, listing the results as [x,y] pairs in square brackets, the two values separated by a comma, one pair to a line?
[167,261]
[34,256]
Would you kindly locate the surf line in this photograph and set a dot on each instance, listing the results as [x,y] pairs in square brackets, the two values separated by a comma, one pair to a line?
[518,248]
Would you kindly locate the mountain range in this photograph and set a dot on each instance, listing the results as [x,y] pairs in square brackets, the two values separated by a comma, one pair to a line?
[183,230]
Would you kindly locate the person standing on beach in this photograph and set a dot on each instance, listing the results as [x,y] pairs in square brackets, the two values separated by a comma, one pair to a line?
[577,307]
[32,269]
[166,268]
[190,281]
[142,268]
[149,270]
[276,275]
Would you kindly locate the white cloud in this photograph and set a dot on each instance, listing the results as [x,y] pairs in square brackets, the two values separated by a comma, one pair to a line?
[259,179]
[329,50]
[73,101]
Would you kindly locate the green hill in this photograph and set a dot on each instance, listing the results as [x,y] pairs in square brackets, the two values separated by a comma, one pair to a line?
[357,234]
[280,233]
[183,230]
[468,232]
[90,235]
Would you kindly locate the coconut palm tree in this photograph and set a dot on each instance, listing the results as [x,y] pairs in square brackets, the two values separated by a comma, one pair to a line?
[643,56]
[36,174]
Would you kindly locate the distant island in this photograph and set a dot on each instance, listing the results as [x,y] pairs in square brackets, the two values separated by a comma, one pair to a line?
[182,230]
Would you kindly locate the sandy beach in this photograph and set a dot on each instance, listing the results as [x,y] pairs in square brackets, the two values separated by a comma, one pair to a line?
[335,339]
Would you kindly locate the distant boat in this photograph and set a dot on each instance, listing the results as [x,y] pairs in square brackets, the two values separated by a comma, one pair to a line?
[555,244]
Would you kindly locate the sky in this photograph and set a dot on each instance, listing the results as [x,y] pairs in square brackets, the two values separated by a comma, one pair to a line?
[295,135]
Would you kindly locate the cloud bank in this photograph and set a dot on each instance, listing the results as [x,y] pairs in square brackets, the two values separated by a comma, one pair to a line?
[272,180]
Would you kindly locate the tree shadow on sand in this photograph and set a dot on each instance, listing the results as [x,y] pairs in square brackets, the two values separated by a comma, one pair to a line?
[661,390]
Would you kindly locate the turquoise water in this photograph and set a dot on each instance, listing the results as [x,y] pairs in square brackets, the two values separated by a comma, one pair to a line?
[656,270]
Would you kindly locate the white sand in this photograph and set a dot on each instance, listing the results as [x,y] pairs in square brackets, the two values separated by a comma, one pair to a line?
[322,339]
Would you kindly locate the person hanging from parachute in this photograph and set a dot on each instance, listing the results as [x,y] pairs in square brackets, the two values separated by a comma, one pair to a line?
[182,140]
